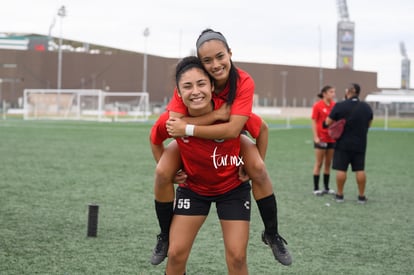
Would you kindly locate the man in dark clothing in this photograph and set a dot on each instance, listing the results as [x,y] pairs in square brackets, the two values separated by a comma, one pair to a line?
[351,146]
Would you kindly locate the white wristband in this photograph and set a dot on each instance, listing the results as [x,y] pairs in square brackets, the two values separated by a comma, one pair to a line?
[189,130]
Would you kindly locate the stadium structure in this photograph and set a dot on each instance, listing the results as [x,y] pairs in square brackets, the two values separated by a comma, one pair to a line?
[46,75]
[30,61]
[345,38]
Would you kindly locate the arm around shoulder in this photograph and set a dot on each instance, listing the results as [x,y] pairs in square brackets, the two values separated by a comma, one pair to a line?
[226,130]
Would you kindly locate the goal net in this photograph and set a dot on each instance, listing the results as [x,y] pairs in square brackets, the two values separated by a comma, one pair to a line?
[85,105]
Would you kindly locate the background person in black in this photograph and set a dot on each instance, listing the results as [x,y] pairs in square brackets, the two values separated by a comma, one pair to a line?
[351,146]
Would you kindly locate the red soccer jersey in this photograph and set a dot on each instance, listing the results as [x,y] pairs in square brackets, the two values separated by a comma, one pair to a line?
[211,165]
[159,131]
[243,101]
[320,112]
[253,125]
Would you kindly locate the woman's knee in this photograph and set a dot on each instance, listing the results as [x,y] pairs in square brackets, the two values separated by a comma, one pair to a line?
[256,170]
[169,163]
[237,261]
[318,165]
[164,175]
[177,256]
[166,170]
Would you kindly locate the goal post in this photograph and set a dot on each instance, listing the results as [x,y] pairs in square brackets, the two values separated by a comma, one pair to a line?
[126,106]
[95,105]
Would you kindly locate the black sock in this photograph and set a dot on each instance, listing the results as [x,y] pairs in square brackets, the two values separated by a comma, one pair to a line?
[164,212]
[326,181]
[268,211]
[315,182]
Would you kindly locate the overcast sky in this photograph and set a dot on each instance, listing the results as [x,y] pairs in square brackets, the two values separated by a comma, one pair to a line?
[265,31]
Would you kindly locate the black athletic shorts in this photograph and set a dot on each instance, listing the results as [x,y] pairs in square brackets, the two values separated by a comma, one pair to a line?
[342,159]
[233,205]
[324,145]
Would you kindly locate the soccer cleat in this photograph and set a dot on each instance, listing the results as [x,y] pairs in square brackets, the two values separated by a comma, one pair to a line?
[362,200]
[339,198]
[328,192]
[160,251]
[277,244]
[317,192]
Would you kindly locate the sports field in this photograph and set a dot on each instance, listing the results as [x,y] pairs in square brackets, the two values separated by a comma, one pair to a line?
[51,171]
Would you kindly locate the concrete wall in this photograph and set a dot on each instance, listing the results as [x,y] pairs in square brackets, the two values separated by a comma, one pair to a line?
[117,70]
[302,83]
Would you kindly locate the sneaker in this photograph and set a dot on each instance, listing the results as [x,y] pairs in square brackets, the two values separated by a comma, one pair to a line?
[160,251]
[339,198]
[328,192]
[362,200]
[317,192]
[277,244]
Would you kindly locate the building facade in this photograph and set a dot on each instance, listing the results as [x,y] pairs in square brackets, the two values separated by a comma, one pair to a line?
[122,71]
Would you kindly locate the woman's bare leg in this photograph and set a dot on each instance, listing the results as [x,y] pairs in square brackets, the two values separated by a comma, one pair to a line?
[256,169]
[265,198]
[183,231]
[319,156]
[236,237]
[167,167]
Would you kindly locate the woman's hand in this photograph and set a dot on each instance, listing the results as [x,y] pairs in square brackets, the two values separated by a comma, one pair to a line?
[176,127]
[180,177]
[243,175]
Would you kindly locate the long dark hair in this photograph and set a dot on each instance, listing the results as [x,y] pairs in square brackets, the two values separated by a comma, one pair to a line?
[209,34]
[324,90]
[186,64]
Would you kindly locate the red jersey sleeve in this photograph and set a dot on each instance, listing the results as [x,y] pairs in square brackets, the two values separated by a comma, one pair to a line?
[253,125]
[159,130]
[317,110]
[243,103]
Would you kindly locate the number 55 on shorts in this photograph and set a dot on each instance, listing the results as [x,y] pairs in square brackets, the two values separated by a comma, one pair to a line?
[183,204]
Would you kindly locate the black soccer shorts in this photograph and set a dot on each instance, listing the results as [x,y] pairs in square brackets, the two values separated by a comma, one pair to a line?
[233,205]
[342,159]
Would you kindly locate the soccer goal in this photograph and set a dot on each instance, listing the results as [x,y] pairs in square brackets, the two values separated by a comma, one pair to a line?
[85,105]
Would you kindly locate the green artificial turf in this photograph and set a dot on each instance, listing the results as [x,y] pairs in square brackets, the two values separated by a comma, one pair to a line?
[51,171]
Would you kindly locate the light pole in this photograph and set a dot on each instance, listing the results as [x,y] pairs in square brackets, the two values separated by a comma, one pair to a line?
[144,77]
[49,37]
[61,13]
[4,80]
[284,76]
[320,58]
[2,108]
